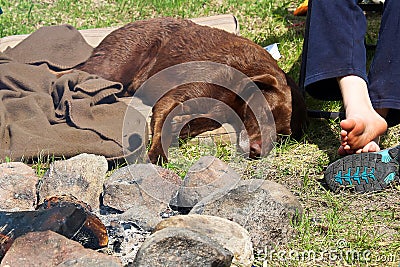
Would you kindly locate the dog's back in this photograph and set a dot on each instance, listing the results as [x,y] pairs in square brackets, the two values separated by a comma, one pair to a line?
[125,53]
[138,50]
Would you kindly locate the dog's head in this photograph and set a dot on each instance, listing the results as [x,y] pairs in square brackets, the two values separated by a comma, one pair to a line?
[272,106]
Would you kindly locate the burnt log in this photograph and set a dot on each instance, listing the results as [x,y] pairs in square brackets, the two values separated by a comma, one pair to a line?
[63,215]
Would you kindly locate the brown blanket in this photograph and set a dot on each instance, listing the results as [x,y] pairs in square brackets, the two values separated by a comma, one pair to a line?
[77,113]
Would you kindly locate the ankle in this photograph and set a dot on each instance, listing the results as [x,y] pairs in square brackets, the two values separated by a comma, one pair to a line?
[355,95]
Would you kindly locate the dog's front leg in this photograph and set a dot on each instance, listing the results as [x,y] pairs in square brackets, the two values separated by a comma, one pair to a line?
[161,129]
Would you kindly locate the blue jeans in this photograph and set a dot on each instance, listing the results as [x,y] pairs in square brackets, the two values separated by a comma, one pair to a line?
[334,47]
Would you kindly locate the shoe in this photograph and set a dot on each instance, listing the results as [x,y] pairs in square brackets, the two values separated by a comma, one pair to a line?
[365,172]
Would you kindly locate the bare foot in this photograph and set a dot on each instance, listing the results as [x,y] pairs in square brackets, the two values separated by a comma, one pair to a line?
[370,147]
[358,133]
[363,125]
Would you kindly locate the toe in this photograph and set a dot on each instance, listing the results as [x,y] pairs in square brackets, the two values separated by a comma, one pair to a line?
[348,124]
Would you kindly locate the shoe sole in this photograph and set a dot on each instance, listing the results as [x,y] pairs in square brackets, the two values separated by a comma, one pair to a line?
[365,172]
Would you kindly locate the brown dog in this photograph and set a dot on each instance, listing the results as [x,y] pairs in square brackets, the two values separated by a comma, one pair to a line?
[193,90]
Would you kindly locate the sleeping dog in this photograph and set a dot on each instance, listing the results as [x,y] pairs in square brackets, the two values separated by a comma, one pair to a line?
[204,77]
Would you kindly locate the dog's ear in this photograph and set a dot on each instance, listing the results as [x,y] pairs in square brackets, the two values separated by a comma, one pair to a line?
[278,103]
[266,79]
[260,130]
[265,84]
[268,82]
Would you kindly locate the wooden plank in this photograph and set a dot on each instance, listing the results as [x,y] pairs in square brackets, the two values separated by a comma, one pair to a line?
[94,36]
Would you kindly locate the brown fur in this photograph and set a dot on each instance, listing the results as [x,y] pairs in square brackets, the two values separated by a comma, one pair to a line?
[137,51]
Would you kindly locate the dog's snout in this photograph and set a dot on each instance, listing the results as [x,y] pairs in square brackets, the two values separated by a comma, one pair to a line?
[255,150]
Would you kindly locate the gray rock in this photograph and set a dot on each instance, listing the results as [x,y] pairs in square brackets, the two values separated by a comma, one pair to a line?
[264,208]
[144,218]
[140,215]
[81,176]
[51,249]
[229,234]
[18,187]
[181,247]
[141,184]
[207,176]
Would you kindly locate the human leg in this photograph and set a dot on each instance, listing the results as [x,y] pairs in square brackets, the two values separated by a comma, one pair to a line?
[384,89]
[336,68]
[363,125]
[334,46]
[384,75]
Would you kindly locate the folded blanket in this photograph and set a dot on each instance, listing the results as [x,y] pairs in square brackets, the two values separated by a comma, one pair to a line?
[77,113]
[61,47]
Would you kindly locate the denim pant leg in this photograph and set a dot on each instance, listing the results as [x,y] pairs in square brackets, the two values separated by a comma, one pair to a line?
[384,75]
[335,46]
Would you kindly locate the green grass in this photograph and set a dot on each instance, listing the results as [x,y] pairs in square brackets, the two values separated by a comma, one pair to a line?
[332,223]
